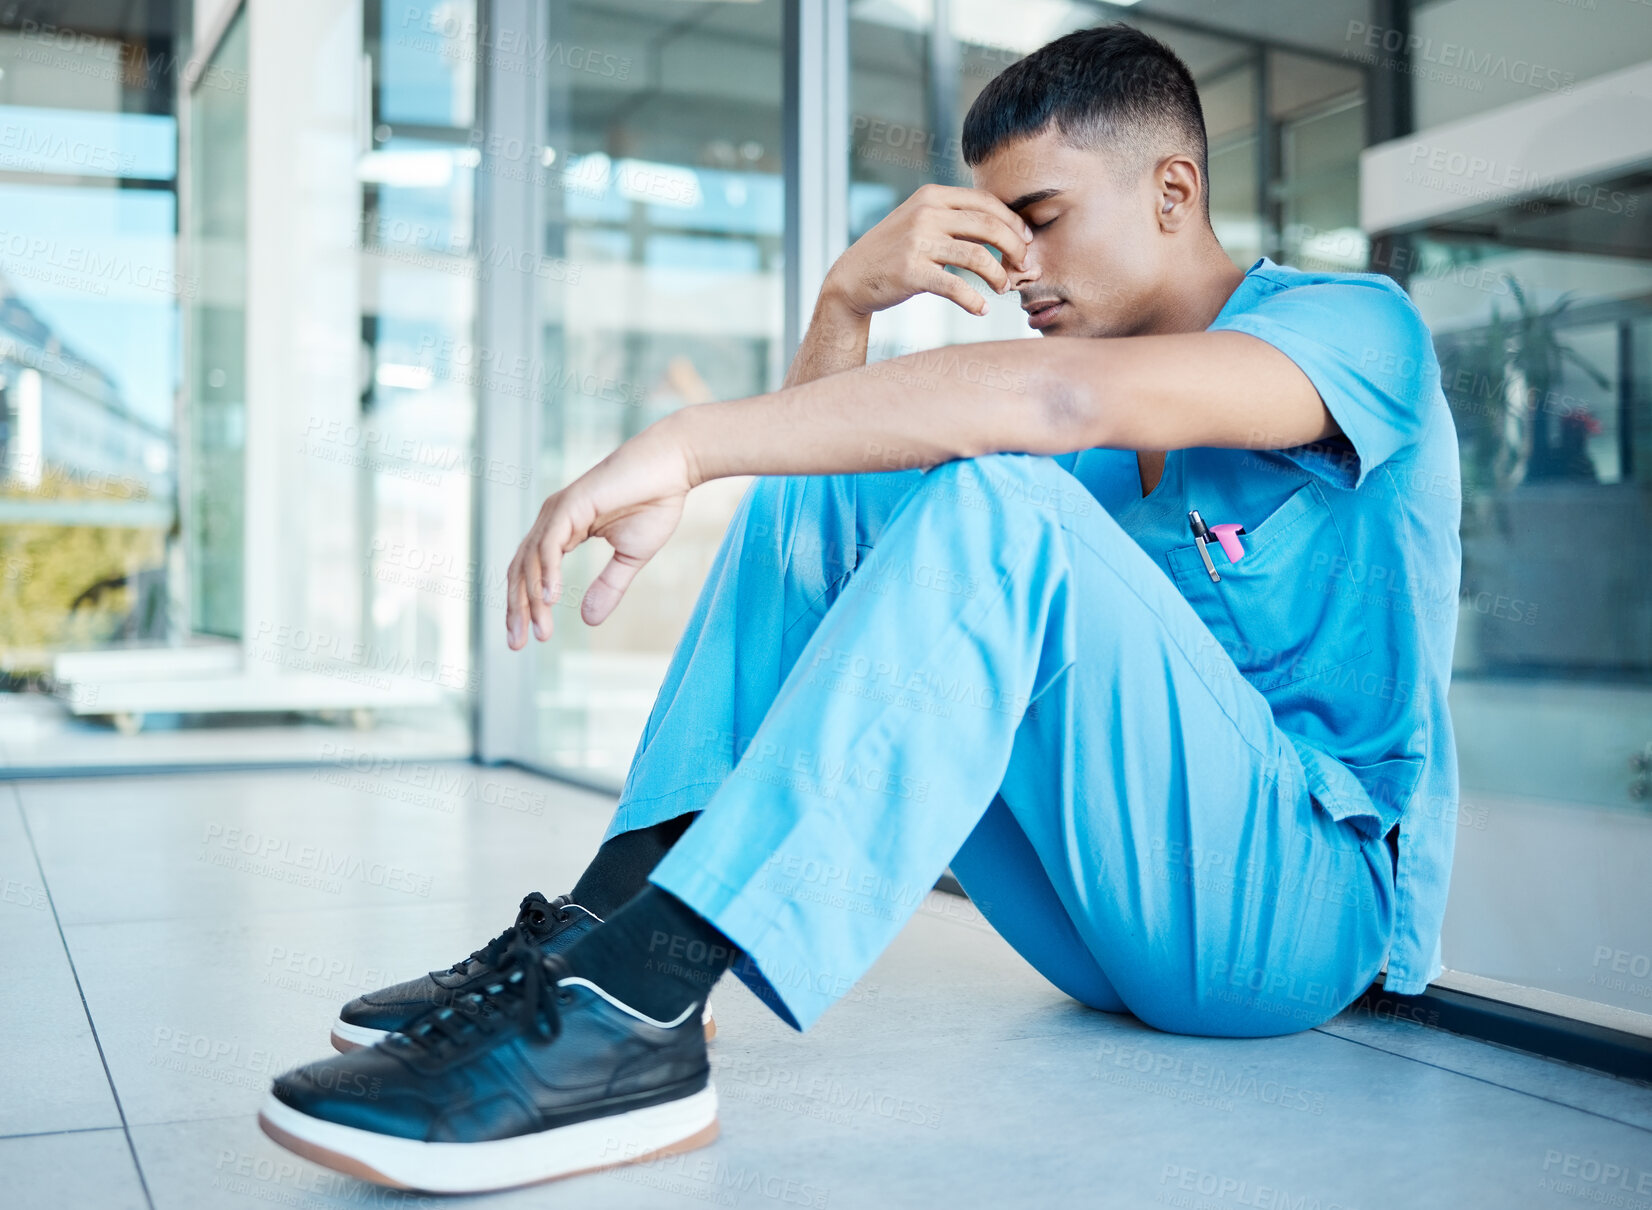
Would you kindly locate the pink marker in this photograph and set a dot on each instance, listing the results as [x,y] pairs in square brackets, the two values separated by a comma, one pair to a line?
[1227,534]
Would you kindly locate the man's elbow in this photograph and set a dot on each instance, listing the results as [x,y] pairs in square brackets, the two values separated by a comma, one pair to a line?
[1071,407]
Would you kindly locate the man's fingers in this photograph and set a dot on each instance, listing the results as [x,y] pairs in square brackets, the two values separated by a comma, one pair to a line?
[977,260]
[516,604]
[607,589]
[1003,231]
[532,574]
[947,285]
[980,199]
[553,545]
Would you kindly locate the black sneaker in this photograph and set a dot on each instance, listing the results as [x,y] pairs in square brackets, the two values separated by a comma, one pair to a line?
[554,924]
[537,1075]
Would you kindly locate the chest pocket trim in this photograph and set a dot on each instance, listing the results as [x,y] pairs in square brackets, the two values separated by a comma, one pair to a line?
[1279,612]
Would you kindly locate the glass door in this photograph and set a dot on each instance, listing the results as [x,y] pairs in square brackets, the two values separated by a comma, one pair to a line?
[1533,268]
[216,341]
[90,295]
[662,187]
[1545,354]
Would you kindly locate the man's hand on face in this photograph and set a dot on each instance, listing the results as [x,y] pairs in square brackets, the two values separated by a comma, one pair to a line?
[633,498]
[907,253]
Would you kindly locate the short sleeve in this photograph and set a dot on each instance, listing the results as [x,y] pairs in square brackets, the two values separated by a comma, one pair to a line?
[1369,355]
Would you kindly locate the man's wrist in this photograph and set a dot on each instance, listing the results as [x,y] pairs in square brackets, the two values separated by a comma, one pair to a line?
[834,307]
[683,429]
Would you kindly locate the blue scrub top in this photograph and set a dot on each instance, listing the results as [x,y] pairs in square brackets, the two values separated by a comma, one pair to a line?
[1342,611]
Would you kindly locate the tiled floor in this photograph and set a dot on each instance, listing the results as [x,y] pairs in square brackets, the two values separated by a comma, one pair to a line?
[167,950]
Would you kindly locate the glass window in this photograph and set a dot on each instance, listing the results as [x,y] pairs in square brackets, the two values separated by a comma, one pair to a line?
[1541,356]
[89,365]
[893,147]
[425,65]
[1540,312]
[1318,109]
[1228,97]
[236,496]
[217,341]
[664,202]
[420,351]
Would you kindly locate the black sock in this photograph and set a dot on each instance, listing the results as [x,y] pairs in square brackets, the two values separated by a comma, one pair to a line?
[623,863]
[655,954]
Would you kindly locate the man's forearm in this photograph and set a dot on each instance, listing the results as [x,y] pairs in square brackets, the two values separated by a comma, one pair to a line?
[914,411]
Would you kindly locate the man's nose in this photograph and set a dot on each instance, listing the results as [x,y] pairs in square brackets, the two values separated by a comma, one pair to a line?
[1031,272]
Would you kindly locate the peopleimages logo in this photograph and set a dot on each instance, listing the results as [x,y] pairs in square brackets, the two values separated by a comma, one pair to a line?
[308,864]
[470,39]
[24,143]
[69,264]
[95,57]
[1410,49]
[1460,172]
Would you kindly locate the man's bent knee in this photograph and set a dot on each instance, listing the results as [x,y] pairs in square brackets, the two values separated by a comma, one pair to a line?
[1012,480]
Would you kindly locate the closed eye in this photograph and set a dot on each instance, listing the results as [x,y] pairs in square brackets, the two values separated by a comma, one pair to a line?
[1044,224]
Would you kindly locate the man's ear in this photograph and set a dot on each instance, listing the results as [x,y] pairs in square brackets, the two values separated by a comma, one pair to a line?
[1180,192]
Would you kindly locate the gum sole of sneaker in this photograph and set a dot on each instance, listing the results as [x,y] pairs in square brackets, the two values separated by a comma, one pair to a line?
[347,1037]
[610,1142]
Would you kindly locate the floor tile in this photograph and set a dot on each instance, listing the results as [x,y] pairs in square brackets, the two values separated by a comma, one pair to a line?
[228,1164]
[86,1170]
[1078,1104]
[211,845]
[1623,1100]
[197,1016]
[951,1074]
[1129,1117]
[1117,1115]
[53,1078]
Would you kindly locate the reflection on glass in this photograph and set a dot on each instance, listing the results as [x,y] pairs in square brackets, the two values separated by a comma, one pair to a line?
[893,145]
[664,200]
[1228,96]
[1541,365]
[1319,111]
[423,359]
[217,346]
[121,527]
[1542,337]
[88,363]
[426,60]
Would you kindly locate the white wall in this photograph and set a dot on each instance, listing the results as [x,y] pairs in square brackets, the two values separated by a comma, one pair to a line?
[1477,55]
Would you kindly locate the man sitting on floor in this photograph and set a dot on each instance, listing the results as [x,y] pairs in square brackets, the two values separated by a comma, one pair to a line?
[1145,630]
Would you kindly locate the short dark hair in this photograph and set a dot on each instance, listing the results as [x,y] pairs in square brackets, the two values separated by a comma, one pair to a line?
[1110,83]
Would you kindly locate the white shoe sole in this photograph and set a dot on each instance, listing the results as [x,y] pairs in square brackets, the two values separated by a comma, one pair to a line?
[623,1138]
[347,1037]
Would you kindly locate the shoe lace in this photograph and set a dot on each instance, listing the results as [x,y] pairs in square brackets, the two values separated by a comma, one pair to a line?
[535,916]
[526,992]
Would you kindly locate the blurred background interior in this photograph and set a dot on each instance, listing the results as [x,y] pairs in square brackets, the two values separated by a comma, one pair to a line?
[305,306]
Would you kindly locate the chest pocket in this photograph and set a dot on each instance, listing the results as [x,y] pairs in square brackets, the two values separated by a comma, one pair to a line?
[1277,612]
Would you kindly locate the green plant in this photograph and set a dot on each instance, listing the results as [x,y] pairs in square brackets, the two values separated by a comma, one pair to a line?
[1512,424]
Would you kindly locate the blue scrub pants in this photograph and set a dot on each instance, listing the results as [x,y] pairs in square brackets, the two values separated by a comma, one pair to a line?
[888,673]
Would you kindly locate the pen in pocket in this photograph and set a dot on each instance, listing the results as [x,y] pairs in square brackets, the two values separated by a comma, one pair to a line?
[1226,533]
